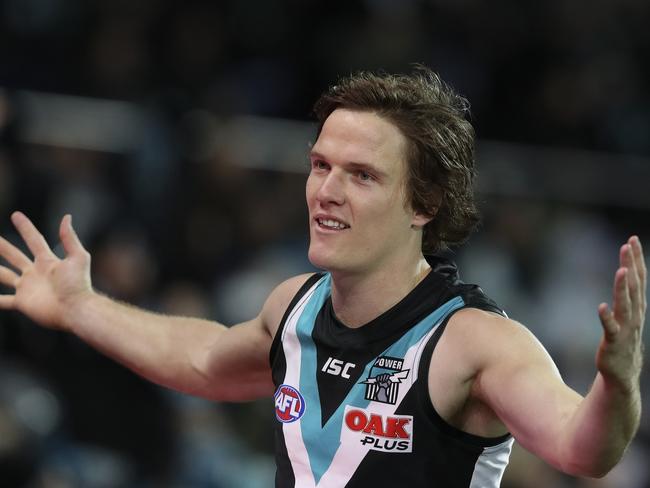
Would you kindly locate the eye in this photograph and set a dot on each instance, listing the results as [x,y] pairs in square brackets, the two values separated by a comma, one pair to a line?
[319,164]
[365,176]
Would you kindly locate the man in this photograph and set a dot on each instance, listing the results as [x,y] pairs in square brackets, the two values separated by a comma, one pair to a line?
[386,369]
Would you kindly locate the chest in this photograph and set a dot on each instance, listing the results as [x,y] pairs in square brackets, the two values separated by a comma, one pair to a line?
[337,366]
[334,380]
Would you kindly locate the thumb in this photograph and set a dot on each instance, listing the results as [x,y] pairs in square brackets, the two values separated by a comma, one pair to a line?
[610,326]
[71,243]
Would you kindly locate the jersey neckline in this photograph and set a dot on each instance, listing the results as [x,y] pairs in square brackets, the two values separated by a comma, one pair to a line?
[416,305]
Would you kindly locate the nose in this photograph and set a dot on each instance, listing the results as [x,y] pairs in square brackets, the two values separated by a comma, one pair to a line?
[330,190]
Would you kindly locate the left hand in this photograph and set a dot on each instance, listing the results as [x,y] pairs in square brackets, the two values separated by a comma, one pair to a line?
[620,355]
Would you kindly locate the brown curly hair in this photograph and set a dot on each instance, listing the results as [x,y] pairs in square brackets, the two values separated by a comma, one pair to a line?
[440,152]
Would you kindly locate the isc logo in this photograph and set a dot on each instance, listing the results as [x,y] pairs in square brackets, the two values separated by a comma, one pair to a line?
[289,404]
[336,367]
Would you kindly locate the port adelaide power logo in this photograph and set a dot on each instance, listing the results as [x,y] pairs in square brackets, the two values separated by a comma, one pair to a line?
[382,384]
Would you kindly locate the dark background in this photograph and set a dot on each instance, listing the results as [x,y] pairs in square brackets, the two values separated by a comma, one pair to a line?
[176,134]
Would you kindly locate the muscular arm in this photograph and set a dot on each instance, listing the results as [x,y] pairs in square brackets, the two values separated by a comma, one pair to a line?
[190,355]
[518,380]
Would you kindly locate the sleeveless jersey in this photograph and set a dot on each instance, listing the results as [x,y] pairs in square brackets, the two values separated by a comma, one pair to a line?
[352,405]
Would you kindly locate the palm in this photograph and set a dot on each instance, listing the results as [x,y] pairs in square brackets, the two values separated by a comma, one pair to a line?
[46,286]
[620,352]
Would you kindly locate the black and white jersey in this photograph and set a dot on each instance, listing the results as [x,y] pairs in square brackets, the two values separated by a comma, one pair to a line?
[352,405]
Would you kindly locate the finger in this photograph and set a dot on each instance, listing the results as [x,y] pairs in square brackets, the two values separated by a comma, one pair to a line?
[71,243]
[610,327]
[7,302]
[642,272]
[628,261]
[622,307]
[13,255]
[8,277]
[30,234]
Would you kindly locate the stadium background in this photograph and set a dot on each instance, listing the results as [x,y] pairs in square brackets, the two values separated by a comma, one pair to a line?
[176,134]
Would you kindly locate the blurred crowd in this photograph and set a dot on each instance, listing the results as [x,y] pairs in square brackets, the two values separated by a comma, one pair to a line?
[181,224]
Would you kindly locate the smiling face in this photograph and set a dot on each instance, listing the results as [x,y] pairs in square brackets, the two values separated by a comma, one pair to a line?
[359,219]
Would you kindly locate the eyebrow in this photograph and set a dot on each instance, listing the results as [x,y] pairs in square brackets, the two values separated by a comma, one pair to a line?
[354,165]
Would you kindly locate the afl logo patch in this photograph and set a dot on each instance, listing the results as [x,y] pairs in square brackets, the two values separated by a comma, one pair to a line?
[289,404]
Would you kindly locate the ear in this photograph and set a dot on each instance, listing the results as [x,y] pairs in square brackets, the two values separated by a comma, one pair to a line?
[420,219]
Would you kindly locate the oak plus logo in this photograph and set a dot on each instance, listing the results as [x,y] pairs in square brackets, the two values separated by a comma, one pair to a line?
[378,432]
[289,404]
[382,384]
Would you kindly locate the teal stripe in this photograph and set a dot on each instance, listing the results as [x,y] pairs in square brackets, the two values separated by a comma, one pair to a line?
[318,448]
[399,348]
[322,442]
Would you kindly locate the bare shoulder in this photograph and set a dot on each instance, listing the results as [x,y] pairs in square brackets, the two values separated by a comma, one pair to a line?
[481,340]
[485,349]
[488,337]
[278,301]
[492,348]
[471,337]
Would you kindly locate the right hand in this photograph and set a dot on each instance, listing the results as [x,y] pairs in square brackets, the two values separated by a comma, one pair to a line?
[46,288]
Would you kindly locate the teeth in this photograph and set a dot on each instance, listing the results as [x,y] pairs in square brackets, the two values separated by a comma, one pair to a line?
[334,224]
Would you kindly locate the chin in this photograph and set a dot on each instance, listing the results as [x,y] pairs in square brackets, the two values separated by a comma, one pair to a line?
[324,259]
[331,262]
[318,259]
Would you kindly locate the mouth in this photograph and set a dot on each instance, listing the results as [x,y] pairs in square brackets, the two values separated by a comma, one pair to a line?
[331,224]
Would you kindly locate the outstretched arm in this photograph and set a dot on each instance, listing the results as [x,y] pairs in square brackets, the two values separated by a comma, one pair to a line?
[190,355]
[519,382]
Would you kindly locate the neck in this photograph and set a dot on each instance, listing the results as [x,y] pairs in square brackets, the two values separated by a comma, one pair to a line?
[358,298]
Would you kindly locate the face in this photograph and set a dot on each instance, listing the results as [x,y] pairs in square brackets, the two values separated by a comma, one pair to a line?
[359,220]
